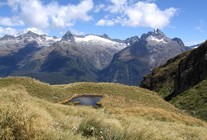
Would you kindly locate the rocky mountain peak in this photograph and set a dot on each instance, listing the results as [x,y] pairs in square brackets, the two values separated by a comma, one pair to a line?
[105,36]
[179,41]
[131,40]
[7,37]
[156,33]
[31,34]
[68,36]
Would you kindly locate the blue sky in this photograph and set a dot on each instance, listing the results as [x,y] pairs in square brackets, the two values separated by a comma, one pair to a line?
[117,18]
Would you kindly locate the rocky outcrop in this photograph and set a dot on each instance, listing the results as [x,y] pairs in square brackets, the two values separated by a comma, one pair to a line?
[68,36]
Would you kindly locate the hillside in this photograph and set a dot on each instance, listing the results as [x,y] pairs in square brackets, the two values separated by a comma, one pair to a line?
[182,81]
[193,100]
[33,110]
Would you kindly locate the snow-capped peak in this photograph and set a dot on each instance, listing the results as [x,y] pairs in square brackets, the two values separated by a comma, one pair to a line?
[158,31]
[42,40]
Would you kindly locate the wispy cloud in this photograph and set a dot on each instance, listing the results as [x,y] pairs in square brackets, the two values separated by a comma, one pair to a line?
[137,14]
[8,31]
[99,7]
[34,30]
[76,32]
[200,27]
[13,21]
[2,4]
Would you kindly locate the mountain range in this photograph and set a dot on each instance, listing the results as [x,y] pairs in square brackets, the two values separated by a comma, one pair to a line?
[74,58]
[56,60]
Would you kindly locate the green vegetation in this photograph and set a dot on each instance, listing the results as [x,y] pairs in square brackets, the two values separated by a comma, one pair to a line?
[32,110]
[194,100]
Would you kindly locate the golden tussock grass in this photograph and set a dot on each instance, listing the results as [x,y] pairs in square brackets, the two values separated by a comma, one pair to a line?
[31,110]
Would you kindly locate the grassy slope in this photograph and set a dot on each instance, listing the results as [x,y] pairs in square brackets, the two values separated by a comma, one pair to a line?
[31,109]
[194,100]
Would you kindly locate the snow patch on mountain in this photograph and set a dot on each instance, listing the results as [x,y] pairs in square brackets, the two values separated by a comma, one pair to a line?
[49,38]
[154,39]
[99,40]
[92,38]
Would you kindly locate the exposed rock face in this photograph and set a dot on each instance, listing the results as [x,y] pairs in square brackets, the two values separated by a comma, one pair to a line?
[68,36]
[131,40]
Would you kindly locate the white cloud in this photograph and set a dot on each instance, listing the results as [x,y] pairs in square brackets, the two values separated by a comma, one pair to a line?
[137,14]
[13,31]
[117,6]
[8,31]
[36,14]
[34,30]
[103,22]
[62,16]
[13,21]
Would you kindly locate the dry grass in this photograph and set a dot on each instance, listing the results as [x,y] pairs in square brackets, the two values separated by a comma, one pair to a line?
[127,114]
